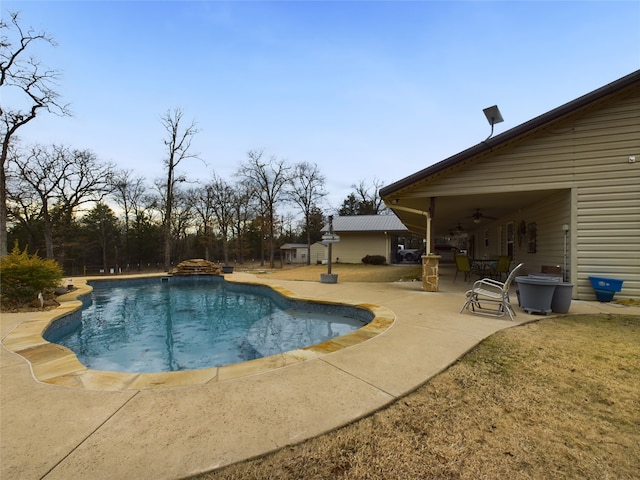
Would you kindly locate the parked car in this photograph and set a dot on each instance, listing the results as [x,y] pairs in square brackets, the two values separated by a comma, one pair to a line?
[409,254]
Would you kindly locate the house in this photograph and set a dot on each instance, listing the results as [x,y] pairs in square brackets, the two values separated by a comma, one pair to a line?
[362,235]
[561,190]
[294,253]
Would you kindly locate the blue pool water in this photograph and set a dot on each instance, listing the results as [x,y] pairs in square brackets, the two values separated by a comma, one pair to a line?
[171,324]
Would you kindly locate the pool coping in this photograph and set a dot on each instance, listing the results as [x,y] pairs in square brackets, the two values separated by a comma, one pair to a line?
[54,364]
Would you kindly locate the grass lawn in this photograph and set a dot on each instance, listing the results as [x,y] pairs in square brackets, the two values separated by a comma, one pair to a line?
[558,398]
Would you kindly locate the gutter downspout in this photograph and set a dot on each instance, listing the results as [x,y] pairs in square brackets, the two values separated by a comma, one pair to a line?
[417,212]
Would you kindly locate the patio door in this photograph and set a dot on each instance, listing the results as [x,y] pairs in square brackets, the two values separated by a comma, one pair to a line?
[510,238]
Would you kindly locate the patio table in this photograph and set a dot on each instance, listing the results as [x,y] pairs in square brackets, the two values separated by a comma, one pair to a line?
[481,265]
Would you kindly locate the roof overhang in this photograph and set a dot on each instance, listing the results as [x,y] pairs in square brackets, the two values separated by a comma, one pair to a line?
[412,192]
[515,134]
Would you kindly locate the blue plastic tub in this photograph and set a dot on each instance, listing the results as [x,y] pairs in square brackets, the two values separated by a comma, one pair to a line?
[605,288]
[604,295]
[608,284]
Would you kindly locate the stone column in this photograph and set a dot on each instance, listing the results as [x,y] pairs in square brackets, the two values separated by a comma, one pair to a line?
[430,272]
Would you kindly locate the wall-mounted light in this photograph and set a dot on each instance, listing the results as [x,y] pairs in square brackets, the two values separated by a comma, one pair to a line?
[493,116]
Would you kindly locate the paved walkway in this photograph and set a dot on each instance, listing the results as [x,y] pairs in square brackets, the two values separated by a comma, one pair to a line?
[61,432]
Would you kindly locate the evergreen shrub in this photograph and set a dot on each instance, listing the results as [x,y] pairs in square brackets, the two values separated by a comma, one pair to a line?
[374,260]
[23,276]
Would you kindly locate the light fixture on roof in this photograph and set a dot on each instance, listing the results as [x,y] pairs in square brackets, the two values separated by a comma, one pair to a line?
[493,116]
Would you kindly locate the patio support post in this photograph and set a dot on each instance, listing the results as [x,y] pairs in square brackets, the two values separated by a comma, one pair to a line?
[430,262]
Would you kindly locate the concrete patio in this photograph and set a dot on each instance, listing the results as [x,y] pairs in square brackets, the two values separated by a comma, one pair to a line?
[85,431]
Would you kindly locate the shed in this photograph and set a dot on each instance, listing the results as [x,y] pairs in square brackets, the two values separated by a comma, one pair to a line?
[294,253]
[319,253]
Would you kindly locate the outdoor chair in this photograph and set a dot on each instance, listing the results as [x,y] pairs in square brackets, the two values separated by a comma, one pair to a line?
[501,266]
[463,264]
[491,297]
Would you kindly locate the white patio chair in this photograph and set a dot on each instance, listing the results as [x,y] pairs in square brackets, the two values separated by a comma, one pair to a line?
[491,297]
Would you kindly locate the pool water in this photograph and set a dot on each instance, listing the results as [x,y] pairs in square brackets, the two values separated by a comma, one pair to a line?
[160,326]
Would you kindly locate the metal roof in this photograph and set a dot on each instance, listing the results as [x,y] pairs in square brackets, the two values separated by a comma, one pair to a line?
[291,246]
[367,223]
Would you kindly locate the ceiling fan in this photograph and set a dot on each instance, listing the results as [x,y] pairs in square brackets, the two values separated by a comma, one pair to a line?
[458,230]
[478,216]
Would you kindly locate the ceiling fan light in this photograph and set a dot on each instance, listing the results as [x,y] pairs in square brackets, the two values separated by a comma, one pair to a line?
[476,220]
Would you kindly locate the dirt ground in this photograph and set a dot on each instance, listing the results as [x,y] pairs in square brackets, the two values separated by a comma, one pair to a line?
[559,398]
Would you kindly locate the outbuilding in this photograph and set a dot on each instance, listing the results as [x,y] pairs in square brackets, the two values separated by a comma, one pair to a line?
[294,253]
[362,235]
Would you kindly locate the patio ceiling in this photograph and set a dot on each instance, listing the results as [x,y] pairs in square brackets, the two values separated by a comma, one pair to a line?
[449,212]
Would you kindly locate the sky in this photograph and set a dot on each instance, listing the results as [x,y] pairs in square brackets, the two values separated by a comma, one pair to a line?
[366,90]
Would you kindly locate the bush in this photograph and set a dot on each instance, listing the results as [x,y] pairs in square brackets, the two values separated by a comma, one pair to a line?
[23,276]
[374,260]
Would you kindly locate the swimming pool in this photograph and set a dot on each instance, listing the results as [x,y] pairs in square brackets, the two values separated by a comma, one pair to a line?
[188,323]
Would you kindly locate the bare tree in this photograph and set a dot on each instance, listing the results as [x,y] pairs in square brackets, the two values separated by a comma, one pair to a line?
[267,178]
[30,85]
[62,179]
[22,202]
[128,191]
[224,200]
[370,203]
[182,220]
[178,143]
[242,212]
[146,236]
[306,190]
[201,200]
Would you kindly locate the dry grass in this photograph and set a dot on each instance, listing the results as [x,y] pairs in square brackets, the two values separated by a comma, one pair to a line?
[347,272]
[555,399]
[559,398]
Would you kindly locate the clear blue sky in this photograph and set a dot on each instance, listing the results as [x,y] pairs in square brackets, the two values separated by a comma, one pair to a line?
[364,89]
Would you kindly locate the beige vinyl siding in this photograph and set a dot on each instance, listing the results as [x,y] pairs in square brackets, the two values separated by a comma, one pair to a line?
[607,243]
[588,155]
[319,253]
[592,148]
[353,246]
[607,200]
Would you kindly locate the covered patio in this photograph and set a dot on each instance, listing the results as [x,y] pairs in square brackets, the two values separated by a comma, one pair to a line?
[559,191]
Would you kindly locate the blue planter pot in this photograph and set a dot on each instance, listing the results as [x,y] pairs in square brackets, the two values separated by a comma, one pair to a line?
[605,288]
